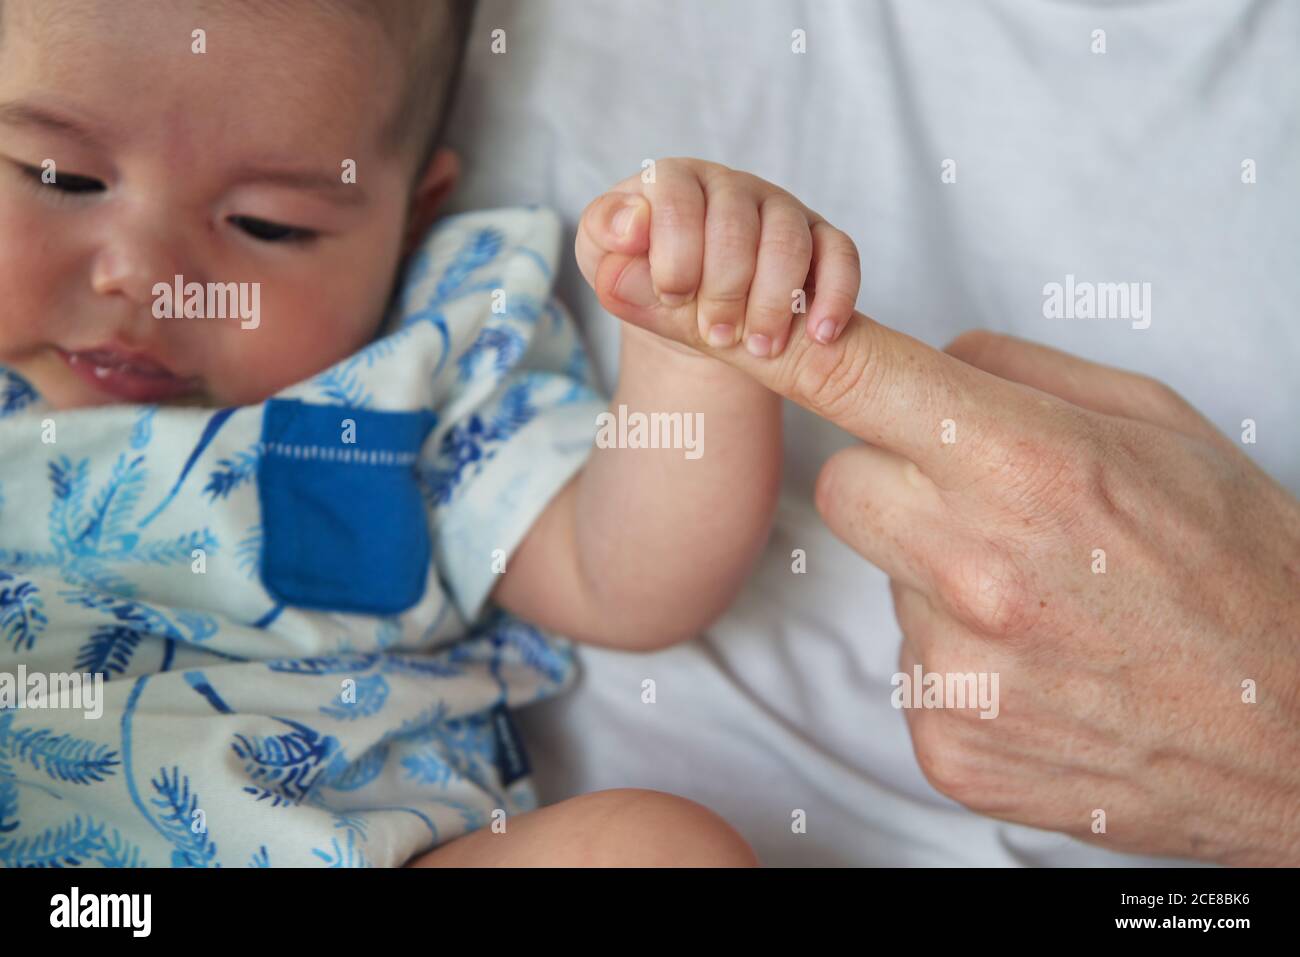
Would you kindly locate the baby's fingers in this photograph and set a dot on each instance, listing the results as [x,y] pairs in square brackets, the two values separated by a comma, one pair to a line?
[731,235]
[676,232]
[836,275]
[612,223]
[784,256]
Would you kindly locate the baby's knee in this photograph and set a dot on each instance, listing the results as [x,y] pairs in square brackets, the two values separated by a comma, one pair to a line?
[638,827]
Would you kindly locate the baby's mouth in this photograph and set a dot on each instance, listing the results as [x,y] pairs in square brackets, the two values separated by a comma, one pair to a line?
[131,377]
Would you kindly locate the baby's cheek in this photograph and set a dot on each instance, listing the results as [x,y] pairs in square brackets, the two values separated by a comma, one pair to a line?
[28,273]
[292,342]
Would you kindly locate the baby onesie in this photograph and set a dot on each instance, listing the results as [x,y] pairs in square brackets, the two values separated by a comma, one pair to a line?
[287,602]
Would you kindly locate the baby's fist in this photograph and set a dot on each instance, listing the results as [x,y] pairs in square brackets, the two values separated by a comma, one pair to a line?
[703,254]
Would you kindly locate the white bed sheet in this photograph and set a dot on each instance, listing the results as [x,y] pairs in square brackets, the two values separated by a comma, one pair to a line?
[1123,166]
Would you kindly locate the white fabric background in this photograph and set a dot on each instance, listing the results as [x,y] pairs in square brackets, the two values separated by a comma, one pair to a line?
[1116,167]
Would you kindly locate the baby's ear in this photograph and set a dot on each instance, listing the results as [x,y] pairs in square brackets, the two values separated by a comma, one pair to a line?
[431,191]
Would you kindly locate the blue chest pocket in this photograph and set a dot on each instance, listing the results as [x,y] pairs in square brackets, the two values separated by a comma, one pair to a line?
[344,527]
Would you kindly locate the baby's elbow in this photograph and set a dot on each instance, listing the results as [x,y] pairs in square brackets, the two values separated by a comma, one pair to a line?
[659,638]
[666,627]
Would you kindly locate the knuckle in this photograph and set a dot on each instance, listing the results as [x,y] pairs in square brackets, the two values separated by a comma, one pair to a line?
[711,173]
[768,311]
[729,297]
[675,164]
[940,758]
[1161,397]
[733,229]
[1101,477]
[732,235]
[989,590]
[786,240]
[1105,486]
[1073,471]
[722,306]
[1042,474]
[672,211]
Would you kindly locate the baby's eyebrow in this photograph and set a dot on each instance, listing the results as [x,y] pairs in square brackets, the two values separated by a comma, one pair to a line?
[18,113]
[330,186]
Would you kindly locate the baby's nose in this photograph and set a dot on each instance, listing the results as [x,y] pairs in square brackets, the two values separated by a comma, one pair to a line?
[131,262]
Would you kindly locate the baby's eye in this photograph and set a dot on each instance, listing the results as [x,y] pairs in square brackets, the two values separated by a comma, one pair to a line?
[66,182]
[270,232]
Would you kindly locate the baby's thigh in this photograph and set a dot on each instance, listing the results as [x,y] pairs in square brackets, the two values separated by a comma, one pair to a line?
[623,827]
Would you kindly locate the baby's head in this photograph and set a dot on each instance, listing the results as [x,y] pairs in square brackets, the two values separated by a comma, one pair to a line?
[221,156]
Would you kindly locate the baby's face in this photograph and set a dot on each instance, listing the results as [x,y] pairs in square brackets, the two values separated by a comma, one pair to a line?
[225,166]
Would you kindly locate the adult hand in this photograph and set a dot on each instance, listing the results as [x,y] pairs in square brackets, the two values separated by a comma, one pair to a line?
[1129,574]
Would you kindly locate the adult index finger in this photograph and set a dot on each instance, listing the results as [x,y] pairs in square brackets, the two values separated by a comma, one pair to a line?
[958,423]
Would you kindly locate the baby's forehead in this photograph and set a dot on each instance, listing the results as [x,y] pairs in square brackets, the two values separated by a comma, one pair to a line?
[268,74]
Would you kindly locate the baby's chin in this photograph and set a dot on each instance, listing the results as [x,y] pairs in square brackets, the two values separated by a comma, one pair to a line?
[199,401]
[195,400]
[67,399]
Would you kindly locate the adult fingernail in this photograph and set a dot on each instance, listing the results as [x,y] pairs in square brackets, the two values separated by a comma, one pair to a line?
[758,345]
[721,335]
[825,331]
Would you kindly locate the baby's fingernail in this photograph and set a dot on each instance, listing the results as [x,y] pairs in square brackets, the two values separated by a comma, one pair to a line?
[721,335]
[634,286]
[622,221]
[825,331]
[758,345]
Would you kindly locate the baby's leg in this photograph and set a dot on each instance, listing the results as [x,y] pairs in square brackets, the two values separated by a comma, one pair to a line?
[623,827]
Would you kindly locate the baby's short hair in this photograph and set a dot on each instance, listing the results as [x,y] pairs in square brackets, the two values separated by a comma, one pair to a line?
[430,37]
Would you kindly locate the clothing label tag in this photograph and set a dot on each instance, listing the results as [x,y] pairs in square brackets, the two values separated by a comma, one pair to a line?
[511,759]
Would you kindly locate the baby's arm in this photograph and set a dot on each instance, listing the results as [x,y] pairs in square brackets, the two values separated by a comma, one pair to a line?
[646,547]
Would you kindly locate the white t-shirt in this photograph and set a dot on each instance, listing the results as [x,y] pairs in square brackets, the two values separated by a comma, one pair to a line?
[1127,165]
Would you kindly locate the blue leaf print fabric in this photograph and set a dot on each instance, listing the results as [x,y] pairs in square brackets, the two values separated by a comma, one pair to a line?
[251,717]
